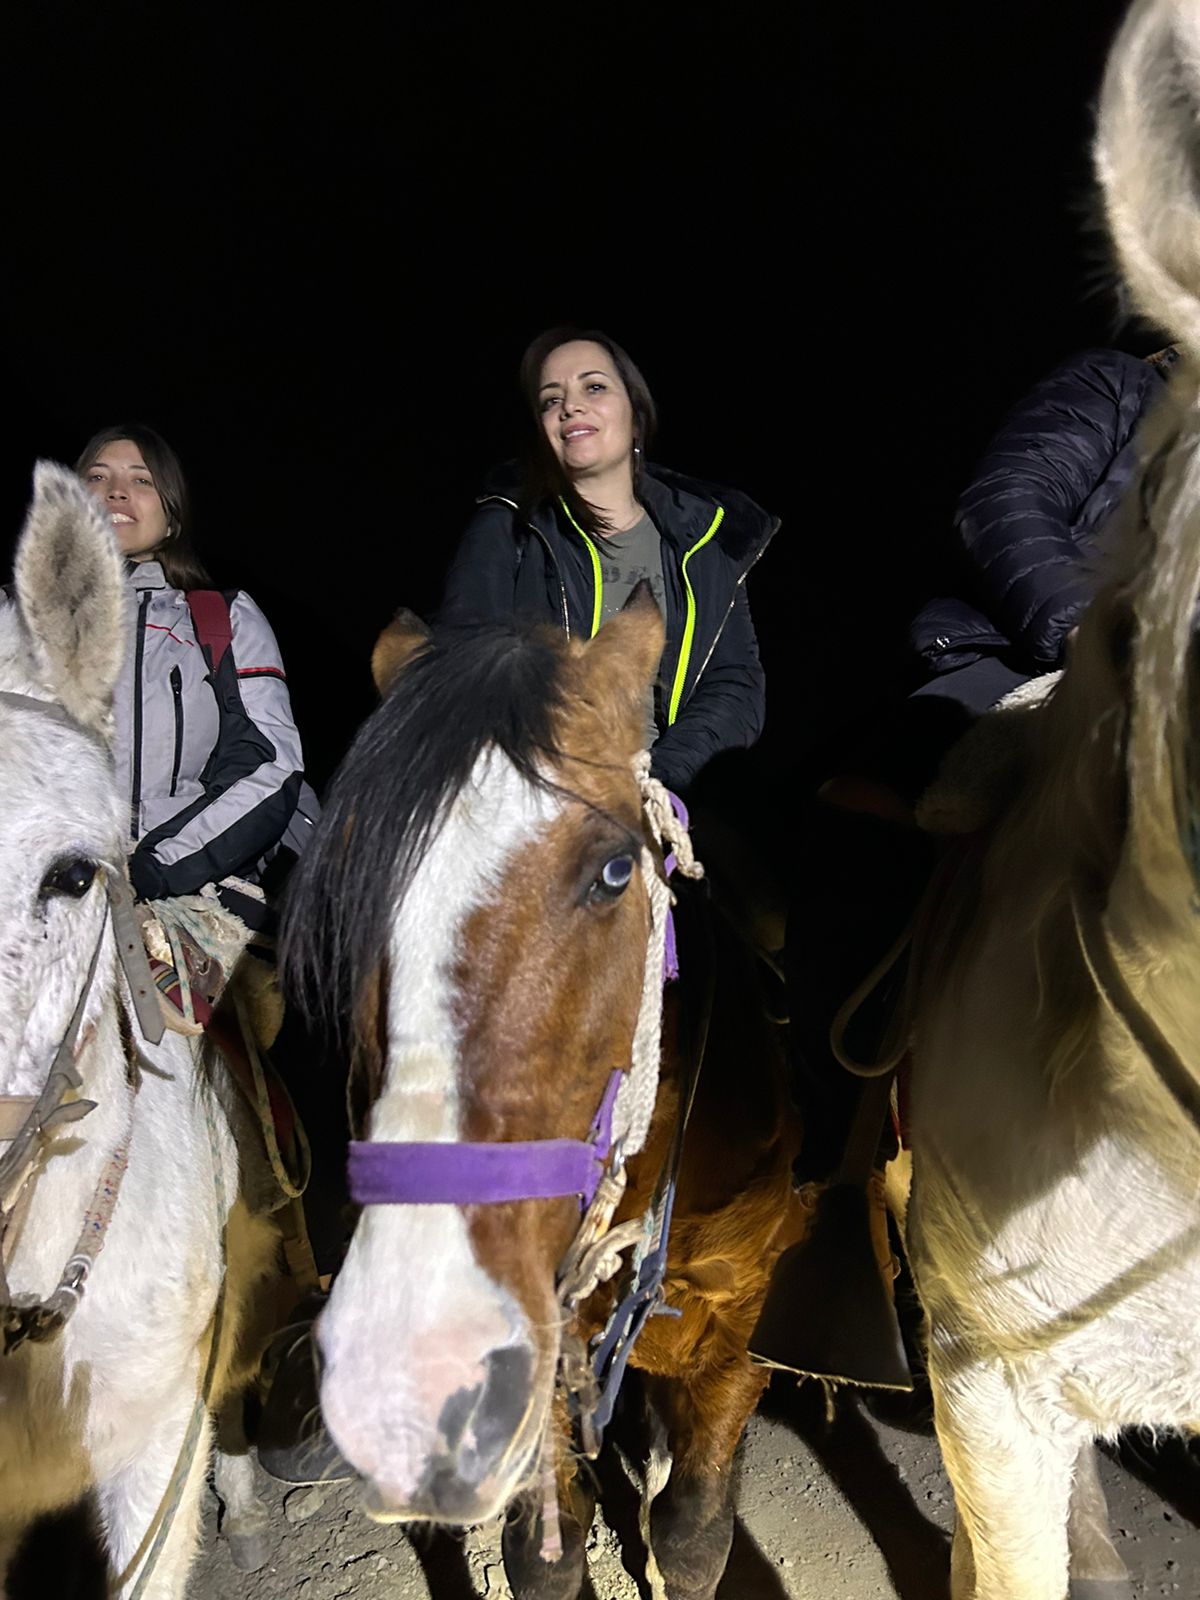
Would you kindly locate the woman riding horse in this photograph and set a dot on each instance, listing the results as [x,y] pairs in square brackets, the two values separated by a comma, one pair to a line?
[210,754]
[567,537]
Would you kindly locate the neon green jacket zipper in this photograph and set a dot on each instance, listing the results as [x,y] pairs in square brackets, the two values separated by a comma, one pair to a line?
[597,576]
[689,625]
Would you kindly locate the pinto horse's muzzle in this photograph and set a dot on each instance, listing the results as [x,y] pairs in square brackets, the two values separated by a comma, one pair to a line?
[484,1440]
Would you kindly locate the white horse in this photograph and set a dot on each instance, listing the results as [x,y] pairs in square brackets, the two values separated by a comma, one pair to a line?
[1054,1224]
[111,1399]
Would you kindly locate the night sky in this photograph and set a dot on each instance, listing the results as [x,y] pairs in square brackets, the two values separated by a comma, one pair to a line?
[839,239]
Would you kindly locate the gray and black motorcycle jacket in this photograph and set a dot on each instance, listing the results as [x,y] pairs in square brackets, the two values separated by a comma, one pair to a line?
[211,762]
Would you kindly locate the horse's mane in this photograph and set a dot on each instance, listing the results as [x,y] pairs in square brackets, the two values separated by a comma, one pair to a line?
[464,691]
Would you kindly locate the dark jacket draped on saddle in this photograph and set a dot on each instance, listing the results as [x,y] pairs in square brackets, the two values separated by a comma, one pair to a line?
[1028,521]
[534,566]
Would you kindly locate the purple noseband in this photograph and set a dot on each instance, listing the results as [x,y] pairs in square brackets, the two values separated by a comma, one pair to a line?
[482,1174]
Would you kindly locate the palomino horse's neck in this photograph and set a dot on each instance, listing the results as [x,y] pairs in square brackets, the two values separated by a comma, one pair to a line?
[1144,951]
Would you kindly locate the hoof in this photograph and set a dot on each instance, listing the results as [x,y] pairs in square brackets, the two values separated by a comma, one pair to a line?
[249,1543]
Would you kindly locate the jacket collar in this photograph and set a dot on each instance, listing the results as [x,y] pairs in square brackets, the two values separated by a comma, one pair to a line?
[683,509]
[146,575]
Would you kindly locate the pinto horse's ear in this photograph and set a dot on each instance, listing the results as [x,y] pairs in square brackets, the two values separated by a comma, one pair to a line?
[71,593]
[629,647]
[402,639]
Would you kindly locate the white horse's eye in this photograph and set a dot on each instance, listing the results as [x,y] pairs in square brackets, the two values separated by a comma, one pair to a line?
[614,876]
[73,876]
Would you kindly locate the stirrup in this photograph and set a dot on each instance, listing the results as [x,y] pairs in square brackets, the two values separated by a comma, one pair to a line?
[828,1312]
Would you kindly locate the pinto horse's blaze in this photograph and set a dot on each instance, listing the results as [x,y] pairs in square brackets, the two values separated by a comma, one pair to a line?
[411,1280]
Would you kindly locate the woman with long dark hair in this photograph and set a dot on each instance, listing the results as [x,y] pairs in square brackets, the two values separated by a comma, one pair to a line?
[566,536]
[209,748]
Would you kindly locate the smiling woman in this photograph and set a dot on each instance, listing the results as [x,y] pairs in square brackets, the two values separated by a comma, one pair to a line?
[566,536]
[137,476]
[204,735]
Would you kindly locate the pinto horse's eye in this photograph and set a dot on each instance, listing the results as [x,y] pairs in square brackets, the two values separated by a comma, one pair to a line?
[73,876]
[614,878]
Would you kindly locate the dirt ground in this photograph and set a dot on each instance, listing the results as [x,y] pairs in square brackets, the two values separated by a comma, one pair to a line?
[856,1508]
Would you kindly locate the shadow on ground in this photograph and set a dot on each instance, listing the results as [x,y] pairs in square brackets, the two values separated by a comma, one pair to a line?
[915,1549]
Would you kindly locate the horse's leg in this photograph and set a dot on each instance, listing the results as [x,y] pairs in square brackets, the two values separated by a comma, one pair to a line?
[531,1578]
[1012,1485]
[691,1520]
[962,1563]
[1096,1568]
[245,1524]
[131,1500]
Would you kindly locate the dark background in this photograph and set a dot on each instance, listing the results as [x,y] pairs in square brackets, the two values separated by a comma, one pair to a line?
[309,247]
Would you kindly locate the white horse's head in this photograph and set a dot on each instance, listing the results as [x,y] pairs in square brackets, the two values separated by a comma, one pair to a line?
[61,647]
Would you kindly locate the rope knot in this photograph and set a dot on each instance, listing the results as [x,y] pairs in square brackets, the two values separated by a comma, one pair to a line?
[668,829]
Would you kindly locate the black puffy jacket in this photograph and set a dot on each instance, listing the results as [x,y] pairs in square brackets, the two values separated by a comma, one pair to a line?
[537,567]
[1028,521]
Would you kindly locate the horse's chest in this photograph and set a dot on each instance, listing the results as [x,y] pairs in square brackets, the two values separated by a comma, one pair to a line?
[1096,1273]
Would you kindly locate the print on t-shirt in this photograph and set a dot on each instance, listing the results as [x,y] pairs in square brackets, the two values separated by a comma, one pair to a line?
[625,559]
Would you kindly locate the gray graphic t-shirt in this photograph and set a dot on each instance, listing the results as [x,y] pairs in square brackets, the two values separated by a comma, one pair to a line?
[625,559]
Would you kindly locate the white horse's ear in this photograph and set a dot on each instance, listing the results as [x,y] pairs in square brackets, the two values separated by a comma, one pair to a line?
[1145,156]
[71,591]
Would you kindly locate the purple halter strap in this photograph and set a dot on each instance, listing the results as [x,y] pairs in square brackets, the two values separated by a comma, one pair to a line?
[670,953]
[482,1174]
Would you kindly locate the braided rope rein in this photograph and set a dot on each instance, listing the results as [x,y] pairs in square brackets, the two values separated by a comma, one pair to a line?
[635,1102]
[597,1253]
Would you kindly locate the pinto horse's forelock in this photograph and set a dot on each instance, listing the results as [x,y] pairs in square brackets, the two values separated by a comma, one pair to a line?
[467,690]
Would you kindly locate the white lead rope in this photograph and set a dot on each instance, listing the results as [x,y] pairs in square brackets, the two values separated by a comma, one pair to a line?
[638,1092]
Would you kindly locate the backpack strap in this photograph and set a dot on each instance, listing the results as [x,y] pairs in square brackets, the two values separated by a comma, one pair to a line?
[211,621]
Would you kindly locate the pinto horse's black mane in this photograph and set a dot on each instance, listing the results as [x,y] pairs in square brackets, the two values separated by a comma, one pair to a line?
[467,689]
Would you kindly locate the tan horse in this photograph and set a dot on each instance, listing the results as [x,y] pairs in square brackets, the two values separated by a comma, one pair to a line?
[480,899]
[1054,1225]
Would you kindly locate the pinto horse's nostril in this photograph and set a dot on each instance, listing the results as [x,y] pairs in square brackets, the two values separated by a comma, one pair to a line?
[503,1406]
[480,1424]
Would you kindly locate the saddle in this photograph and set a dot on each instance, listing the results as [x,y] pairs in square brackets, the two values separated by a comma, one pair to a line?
[217,979]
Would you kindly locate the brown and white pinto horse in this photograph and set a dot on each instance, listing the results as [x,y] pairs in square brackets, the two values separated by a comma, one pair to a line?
[477,900]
